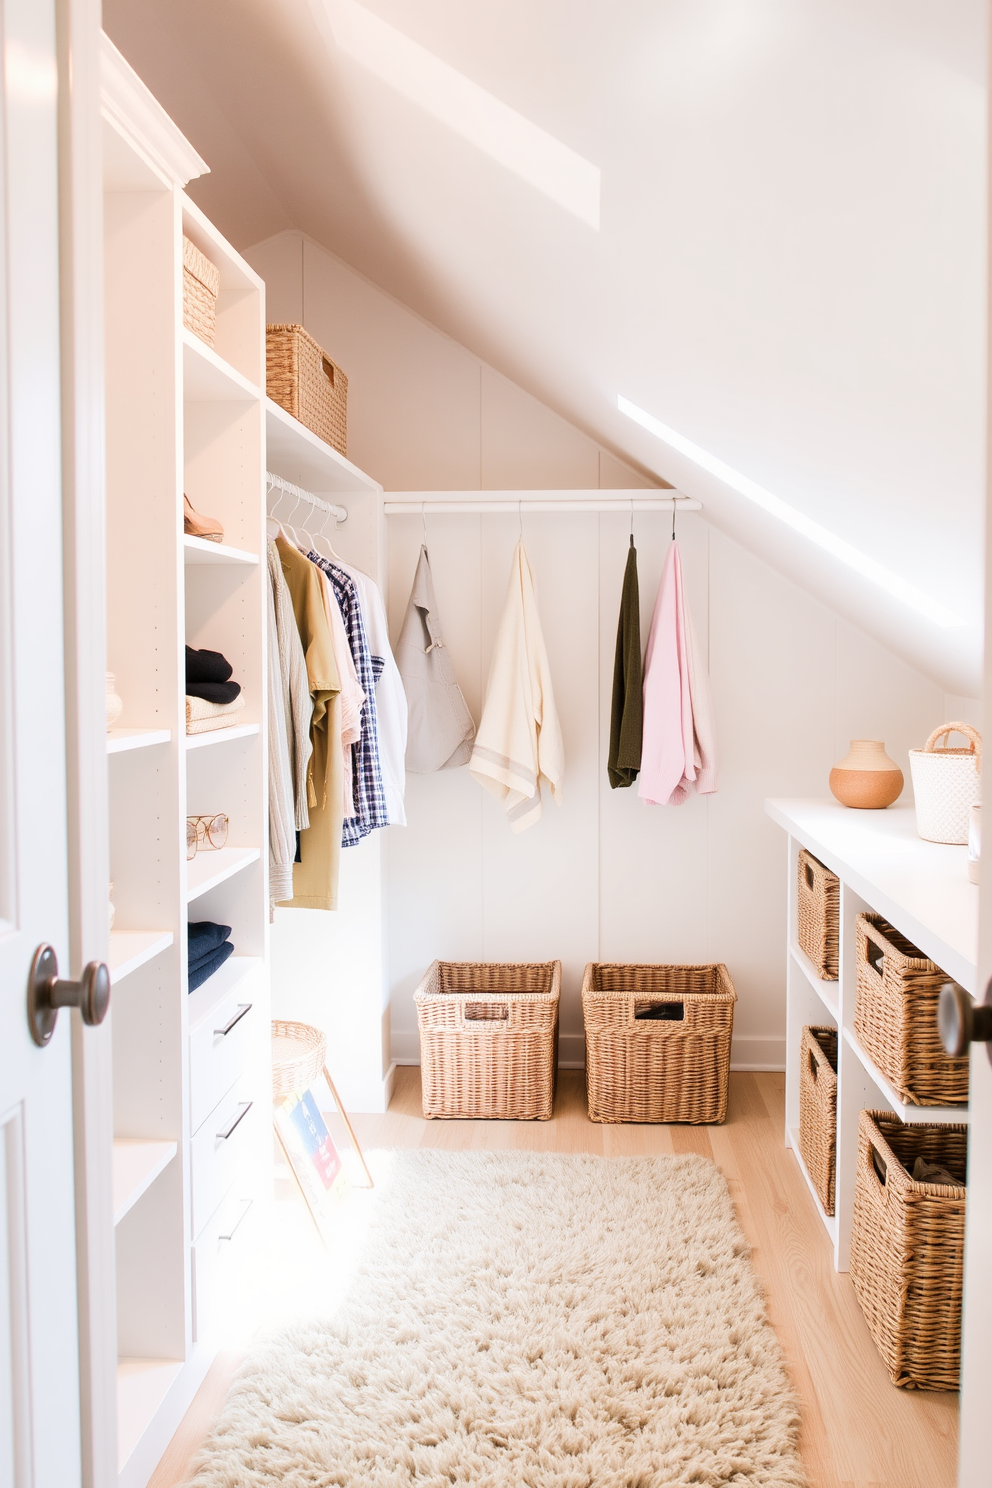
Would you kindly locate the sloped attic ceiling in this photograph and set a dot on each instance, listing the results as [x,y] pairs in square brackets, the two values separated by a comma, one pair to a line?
[760,221]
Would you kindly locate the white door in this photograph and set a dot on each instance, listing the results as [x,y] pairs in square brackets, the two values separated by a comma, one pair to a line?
[39,1387]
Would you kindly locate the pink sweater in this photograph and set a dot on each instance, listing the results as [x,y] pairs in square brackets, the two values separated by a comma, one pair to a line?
[678,750]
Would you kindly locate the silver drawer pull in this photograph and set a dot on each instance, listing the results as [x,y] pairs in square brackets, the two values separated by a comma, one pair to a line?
[243,1007]
[242,1113]
[245,1206]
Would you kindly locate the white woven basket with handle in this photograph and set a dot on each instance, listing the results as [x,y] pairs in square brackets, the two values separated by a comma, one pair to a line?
[946,784]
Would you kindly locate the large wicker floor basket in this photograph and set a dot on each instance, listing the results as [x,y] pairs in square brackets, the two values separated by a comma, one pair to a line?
[895,1016]
[818,915]
[907,1248]
[818,1110]
[300,377]
[489,1039]
[657,1042]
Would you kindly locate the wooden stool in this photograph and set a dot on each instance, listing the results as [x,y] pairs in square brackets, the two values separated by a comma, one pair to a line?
[299,1057]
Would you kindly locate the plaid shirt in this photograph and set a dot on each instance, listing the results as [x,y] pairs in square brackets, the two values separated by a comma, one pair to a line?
[366,775]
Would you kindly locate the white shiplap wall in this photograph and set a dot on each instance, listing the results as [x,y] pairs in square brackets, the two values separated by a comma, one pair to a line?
[604,877]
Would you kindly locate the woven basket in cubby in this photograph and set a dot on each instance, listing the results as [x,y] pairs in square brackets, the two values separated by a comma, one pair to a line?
[300,377]
[818,915]
[907,1247]
[201,286]
[895,1016]
[818,1110]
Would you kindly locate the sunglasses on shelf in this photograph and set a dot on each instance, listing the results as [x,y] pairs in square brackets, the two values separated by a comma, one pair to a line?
[205,833]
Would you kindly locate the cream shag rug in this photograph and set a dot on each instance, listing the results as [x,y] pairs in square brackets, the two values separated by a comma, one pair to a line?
[527,1321]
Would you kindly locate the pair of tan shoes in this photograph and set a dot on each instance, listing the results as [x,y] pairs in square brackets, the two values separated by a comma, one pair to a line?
[196,526]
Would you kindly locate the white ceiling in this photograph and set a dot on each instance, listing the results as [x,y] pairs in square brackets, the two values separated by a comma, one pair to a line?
[788,269]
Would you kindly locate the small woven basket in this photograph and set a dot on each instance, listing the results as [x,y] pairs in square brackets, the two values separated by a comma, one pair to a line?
[298,1056]
[907,1248]
[657,1042]
[201,286]
[489,1039]
[818,1110]
[300,377]
[946,784]
[818,915]
[895,1016]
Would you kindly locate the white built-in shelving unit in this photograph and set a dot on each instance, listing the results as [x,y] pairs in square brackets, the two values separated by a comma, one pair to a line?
[923,890]
[192,1087]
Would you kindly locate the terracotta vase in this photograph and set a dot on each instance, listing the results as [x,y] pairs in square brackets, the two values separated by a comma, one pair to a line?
[866,779]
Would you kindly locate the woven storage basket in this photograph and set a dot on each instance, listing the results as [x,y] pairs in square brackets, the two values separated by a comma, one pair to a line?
[201,286]
[907,1248]
[895,1016]
[489,1039]
[818,915]
[946,784]
[298,1056]
[668,1068]
[300,376]
[818,1110]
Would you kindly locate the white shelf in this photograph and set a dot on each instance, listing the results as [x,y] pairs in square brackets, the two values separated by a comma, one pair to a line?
[137,1164]
[130,949]
[826,991]
[200,551]
[207,378]
[142,1385]
[296,454]
[220,736]
[829,1220]
[122,740]
[208,869]
[919,1115]
[236,969]
[921,887]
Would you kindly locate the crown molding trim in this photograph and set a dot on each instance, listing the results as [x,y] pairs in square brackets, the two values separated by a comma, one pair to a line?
[137,114]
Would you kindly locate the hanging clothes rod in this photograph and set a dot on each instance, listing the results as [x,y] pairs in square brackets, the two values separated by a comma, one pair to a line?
[466,503]
[276,482]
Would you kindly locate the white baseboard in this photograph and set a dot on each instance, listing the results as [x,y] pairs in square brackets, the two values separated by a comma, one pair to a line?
[750,1053]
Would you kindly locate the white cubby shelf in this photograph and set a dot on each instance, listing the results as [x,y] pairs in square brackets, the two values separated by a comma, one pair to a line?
[124,740]
[130,949]
[923,890]
[137,1163]
[199,551]
[208,869]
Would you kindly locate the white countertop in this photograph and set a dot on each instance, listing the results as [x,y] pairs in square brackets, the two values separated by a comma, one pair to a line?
[920,887]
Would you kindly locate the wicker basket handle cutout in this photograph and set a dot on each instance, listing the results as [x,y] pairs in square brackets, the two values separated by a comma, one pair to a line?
[653,1012]
[971,734]
[814,1067]
[879,1164]
[486,1016]
[328,367]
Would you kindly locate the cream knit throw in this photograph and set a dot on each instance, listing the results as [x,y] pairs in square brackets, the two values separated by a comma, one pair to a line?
[526,1321]
[519,742]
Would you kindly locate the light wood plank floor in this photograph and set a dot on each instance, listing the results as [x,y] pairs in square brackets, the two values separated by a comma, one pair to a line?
[858,1430]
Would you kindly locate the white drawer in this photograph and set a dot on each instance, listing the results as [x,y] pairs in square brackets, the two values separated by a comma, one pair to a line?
[216,1256]
[225,1142]
[219,1049]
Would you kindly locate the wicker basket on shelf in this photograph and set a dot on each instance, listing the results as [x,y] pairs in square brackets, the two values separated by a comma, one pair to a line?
[657,1042]
[201,286]
[818,915]
[300,377]
[818,1110]
[895,1016]
[907,1248]
[489,1039]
